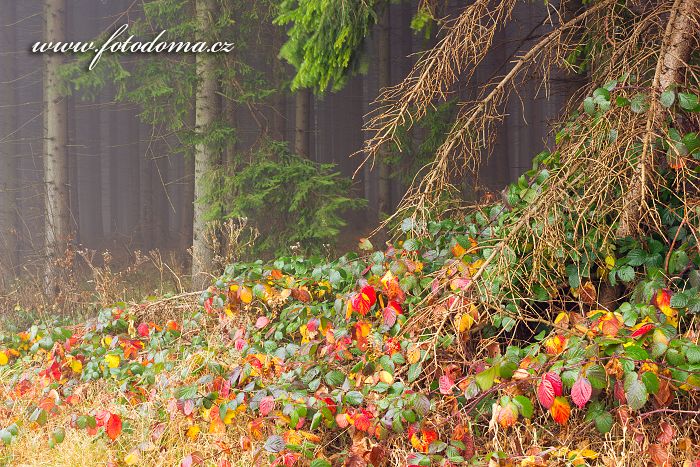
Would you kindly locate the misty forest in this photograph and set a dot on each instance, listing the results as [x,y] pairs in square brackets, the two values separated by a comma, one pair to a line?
[349,232]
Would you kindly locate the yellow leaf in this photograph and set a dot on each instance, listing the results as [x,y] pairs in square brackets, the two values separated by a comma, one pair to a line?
[475,266]
[464,322]
[386,377]
[388,277]
[76,366]
[610,261]
[228,418]
[562,317]
[132,458]
[193,432]
[3,358]
[246,295]
[413,354]
[112,360]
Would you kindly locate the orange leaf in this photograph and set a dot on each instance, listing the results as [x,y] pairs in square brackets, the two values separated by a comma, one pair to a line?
[560,410]
[114,426]
[508,415]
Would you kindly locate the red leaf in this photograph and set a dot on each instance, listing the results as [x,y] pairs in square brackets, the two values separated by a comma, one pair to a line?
[581,392]
[188,407]
[619,392]
[114,426]
[267,404]
[445,384]
[659,455]
[143,330]
[545,393]
[389,315]
[368,291]
[642,330]
[362,422]
[555,381]
[667,433]
[262,322]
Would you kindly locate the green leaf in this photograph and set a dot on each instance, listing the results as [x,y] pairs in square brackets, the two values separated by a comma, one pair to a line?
[186,392]
[636,257]
[693,354]
[651,382]
[316,421]
[603,422]
[636,353]
[589,105]
[524,405]
[675,358]
[688,101]
[354,398]
[596,376]
[658,349]
[626,274]
[320,463]
[679,300]
[635,391]
[667,98]
[638,103]
[486,378]
[573,276]
[335,378]
[414,371]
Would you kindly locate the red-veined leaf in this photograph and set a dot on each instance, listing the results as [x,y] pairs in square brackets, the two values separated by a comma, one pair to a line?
[545,393]
[267,404]
[445,384]
[581,392]
[555,381]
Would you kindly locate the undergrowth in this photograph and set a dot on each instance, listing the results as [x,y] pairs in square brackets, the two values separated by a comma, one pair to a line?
[380,357]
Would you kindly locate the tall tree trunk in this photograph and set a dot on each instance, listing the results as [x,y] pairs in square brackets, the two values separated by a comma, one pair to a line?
[145,188]
[279,100]
[187,200]
[105,151]
[301,123]
[680,39]
[57,225]
[8,149]
[384,64]
[205,156]
[72,154]
[71,145]
[134,182]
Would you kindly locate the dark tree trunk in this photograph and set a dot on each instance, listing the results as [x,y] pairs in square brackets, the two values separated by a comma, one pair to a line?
[9,257]
[384,65]
[301,123]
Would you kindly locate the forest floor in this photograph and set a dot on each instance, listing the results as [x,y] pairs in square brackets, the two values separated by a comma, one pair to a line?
[227,378]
